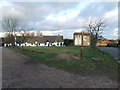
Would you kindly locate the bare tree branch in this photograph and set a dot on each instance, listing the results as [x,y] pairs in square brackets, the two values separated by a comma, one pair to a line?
[95,28]
[10,24]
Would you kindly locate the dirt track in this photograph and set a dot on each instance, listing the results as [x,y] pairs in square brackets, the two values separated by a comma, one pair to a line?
[20,71]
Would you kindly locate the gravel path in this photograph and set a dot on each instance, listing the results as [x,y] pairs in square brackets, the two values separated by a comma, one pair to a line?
[20,71]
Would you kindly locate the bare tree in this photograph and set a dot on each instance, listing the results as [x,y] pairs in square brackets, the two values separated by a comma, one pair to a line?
[25,33]
[10,24]
[95,28]
[39,33]
[32,34]
[9,39]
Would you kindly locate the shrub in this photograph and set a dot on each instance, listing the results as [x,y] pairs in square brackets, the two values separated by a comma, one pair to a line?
[68,42]
[112,45]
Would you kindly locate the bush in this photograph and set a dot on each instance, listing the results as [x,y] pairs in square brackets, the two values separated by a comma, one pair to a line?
[68,42]
[54,45]
[112,45]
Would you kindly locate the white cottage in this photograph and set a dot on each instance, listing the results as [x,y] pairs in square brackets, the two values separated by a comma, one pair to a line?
[35,41]
[44,41]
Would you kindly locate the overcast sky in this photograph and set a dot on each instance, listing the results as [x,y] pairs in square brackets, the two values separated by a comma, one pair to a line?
[64,18]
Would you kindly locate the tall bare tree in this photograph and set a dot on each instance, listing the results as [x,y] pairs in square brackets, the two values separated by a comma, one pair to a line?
[10,24]
[95,28]
[24,32]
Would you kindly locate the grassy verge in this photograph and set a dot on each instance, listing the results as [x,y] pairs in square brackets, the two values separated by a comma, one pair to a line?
[85,66]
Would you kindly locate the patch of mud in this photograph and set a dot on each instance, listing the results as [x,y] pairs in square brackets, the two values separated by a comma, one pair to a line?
[64,57]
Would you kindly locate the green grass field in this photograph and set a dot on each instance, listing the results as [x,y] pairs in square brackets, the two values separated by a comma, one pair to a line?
[85,66]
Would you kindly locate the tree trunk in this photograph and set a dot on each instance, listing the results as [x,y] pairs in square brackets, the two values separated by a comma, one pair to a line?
[93,43]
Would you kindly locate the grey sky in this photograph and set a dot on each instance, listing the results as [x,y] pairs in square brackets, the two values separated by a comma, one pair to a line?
[64,18]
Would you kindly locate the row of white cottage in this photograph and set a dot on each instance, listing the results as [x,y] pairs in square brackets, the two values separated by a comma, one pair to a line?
[39,41]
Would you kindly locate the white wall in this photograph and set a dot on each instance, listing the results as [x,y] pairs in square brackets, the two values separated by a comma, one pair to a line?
[41,44]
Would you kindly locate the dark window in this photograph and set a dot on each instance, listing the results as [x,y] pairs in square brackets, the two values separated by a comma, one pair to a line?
[48,45]
[61,44]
